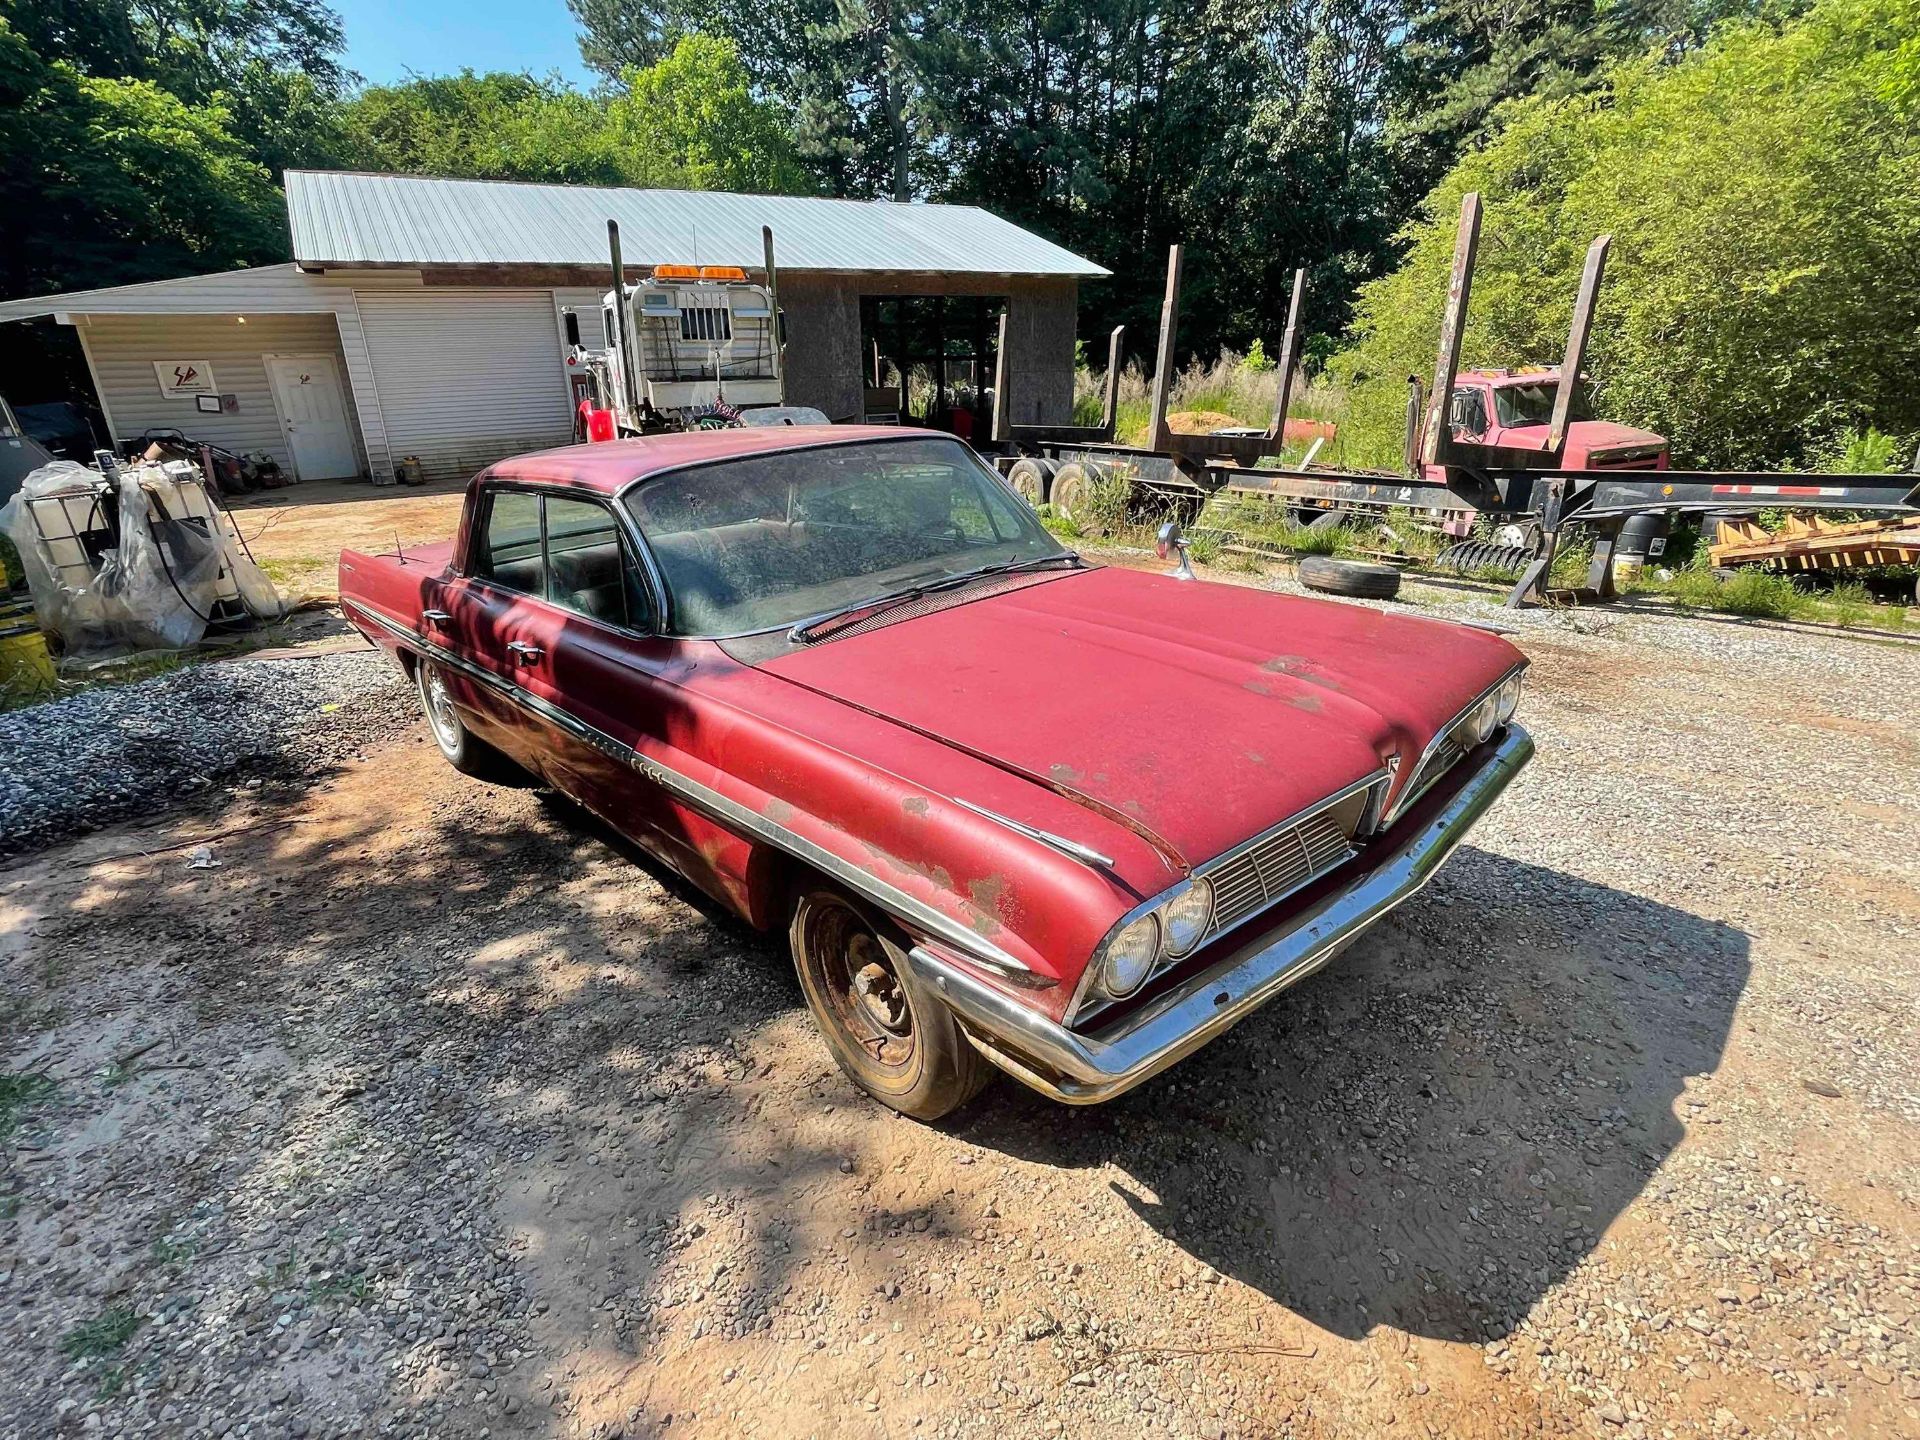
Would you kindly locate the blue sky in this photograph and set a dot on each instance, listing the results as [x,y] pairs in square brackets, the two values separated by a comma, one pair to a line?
[387,38]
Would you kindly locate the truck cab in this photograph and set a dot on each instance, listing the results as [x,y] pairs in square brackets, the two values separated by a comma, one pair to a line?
[1514,408]
[703,340]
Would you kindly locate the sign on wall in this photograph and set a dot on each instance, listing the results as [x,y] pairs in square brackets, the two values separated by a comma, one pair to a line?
[180,379]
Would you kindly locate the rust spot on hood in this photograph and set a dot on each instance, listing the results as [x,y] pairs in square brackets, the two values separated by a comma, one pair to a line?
[990,893]
[1065,774]
[1309,703]
[914,805]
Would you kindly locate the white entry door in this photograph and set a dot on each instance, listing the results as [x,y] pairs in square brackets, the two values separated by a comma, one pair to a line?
[313,411]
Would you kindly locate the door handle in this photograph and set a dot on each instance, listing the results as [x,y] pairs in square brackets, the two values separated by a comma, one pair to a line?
[435,617]
[524,650]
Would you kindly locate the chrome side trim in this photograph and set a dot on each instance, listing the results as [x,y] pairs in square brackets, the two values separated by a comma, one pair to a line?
[725,811]
[1083,1069]
[1065,846]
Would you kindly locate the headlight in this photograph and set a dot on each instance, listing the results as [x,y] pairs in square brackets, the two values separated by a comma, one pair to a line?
[1129,959]
[1185,917]
[1507,698]
[1481,721]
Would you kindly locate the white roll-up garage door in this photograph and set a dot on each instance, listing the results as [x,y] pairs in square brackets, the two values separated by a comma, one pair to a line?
[467,376]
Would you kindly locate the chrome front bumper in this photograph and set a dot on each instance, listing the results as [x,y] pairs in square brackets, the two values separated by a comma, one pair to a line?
[1085,1069]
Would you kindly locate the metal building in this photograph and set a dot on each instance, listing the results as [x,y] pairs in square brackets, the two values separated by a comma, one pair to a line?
[422,317]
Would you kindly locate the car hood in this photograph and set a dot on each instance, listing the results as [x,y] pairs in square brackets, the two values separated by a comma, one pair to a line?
[1206,713]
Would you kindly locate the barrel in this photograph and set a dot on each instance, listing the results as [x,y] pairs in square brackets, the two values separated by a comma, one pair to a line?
[26,669]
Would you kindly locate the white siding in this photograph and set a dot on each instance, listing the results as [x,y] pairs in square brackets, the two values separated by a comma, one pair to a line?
[124,347]
[467,375]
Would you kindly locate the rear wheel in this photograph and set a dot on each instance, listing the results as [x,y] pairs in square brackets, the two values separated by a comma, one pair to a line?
[897,1043]
[464,750]
[1030,477]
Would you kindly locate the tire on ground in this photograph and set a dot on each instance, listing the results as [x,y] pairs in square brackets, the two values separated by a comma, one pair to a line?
[925,1068]
[1072,493]
[1032,478]
[1354,578]
[464,750]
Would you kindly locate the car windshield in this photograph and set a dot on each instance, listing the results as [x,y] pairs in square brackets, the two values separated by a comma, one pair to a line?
[767,541]
[1532,404]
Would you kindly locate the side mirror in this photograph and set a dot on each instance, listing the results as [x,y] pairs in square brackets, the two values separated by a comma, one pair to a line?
[573,329]
[1170,544]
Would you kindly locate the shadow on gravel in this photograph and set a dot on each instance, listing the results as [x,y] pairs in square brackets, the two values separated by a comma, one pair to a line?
[1434,1130]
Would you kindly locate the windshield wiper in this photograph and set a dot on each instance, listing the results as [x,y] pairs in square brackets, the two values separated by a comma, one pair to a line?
[803,632]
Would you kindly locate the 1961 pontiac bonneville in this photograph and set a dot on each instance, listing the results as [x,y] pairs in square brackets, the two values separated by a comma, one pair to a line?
[1014,809]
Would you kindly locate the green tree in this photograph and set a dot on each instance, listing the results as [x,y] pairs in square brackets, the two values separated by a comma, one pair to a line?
[689,121]
[122,180]
[1763,194]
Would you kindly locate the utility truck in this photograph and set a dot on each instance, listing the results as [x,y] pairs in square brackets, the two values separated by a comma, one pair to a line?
[688,347]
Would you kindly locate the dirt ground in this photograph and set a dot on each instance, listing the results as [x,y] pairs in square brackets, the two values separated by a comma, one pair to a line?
[297,534]
[431,1109]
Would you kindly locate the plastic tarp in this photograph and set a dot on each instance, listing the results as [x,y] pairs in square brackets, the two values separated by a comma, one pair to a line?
[172,561]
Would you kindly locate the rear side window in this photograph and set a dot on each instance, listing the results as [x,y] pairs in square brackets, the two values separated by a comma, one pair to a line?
[587,567]
[509,551]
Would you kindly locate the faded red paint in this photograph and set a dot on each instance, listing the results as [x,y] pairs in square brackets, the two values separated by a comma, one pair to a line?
[1154,721]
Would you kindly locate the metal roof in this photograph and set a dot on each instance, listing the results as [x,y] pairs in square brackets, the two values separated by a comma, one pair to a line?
[346,218]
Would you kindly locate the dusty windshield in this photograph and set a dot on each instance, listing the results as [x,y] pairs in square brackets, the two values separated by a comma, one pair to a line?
[770,540]
[1533,404]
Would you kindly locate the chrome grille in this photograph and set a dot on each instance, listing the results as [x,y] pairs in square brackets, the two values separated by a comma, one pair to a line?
[1274,866]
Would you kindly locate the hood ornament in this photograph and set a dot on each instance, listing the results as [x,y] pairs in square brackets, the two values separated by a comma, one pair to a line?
[1171,543]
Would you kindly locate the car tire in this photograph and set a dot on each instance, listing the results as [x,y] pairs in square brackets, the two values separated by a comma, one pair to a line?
[1031,478]
[464,750]
[893,1039]
[1353,578]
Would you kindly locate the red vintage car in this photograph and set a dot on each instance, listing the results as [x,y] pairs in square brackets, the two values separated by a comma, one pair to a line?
[1014,809]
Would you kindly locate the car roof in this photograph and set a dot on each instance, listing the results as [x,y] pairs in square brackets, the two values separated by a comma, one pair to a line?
[611,465]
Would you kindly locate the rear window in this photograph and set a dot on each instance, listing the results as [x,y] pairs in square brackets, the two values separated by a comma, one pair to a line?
[510,542]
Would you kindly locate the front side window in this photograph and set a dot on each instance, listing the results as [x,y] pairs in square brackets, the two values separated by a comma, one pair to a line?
[766,541]
[587,568]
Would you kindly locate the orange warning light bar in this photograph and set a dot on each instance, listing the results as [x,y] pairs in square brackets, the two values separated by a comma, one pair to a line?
[722,272]
[676,272]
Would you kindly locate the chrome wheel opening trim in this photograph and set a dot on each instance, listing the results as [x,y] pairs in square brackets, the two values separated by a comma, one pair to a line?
[1084,1069]
[909,910]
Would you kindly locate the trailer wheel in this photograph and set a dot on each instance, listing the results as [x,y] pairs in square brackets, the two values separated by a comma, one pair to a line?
[1032,479]
[1072,493]
[1355,578]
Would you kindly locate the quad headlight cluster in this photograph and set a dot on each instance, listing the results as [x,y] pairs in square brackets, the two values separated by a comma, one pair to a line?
[1172,929]
[1489,712]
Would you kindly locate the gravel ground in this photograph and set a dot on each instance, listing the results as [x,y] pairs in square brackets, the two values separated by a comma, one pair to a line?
[456,1120]
[119,751]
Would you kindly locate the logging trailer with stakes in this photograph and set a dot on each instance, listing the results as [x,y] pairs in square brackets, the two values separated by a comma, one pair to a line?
[1626,511]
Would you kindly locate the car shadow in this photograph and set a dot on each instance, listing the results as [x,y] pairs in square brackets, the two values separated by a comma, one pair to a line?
[1438,1127]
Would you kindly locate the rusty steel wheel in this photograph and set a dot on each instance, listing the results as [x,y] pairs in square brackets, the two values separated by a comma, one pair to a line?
[901,1046]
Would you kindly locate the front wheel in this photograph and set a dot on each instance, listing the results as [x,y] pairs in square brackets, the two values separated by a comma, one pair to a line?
[897,1043]
[464,750]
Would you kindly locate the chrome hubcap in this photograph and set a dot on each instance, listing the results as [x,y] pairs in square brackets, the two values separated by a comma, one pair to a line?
[440,712]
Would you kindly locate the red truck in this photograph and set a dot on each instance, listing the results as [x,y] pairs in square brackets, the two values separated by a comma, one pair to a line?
[1514,408]
[1013,809]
